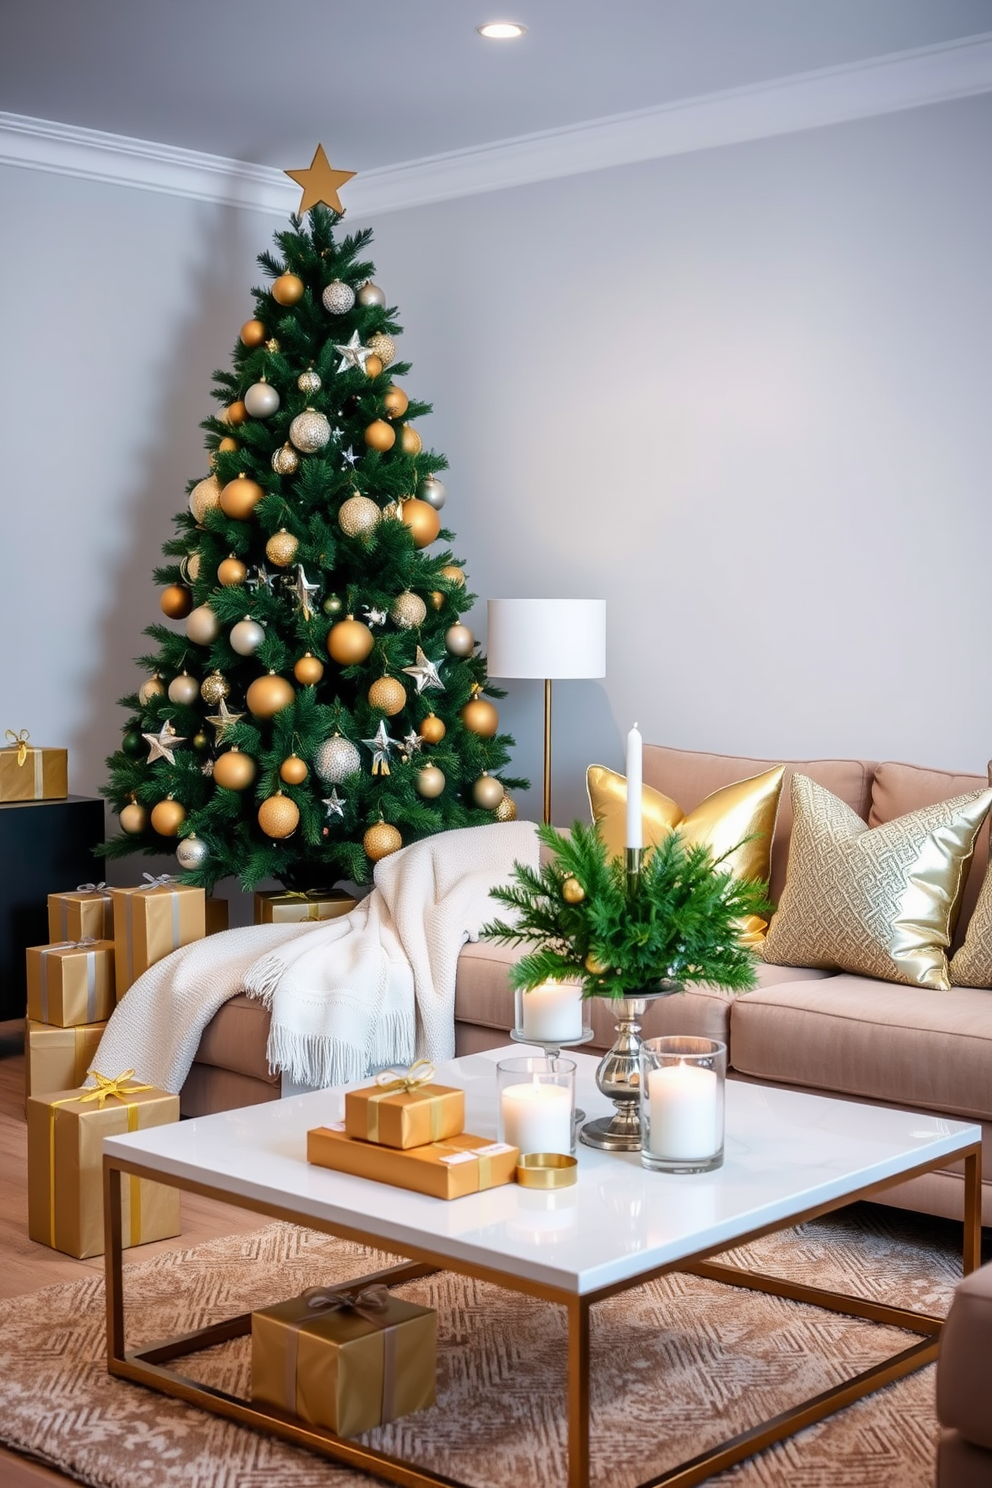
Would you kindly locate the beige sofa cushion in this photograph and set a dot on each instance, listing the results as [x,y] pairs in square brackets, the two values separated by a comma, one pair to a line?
[236,1038]
[904,1046]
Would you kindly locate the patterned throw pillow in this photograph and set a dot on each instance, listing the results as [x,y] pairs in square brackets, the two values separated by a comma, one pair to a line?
[875,901]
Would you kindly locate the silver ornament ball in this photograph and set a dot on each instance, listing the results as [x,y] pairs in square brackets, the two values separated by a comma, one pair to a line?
[432,491]
[202,625]
[247,636]
[430,782]
[192,853]
[370,294]
[285,460]
[459,640]
[487,792]
[336,759]
[184,690]
[262,400]
[309,431]
[338,297]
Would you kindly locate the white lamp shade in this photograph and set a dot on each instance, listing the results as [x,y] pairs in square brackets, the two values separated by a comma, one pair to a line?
[547,638]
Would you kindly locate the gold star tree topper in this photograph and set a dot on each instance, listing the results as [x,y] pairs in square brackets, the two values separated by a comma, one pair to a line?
[320,183]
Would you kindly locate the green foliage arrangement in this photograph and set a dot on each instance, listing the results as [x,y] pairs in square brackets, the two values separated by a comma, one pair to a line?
[676,922]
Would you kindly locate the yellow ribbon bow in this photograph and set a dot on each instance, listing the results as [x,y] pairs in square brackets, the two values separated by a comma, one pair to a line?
[105,1088]
[20,743]
[394,1080]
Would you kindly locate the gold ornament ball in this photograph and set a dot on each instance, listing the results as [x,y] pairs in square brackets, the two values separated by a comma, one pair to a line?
[213,688]
[278,816]
[293,770]
[134,819]
[227,445]
[388,695]
[453,574]
[408,610]
[202,626]
[359,516]
[432,730]
[308,671]
[190,567]
[204,495]
[430,782]
[480,717]
[507,809]
[287,289]
[281,548]
[269,695]
[236,412]
[176,602]
[379,435]
[151,689]
[383,346]
[422,520]
[231,571]
[285,460]
[240,497]
[487,792]
[437,598]
[572,891]
[373,365]
[167,817]
[459,640]
[253,333]
[309,382]
[395,401]
[234,770]
[381,840]
[200,742]
[410,441]
[184,690]
[594,966]
[349,641]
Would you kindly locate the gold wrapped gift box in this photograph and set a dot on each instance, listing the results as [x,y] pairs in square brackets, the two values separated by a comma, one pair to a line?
[404,1118]
[30,774]
[444,1170]
[348,1367]
[289,906]
[215,915]
[58,1058]
[71,983]
[151,922]
[81,913]
[65,1167]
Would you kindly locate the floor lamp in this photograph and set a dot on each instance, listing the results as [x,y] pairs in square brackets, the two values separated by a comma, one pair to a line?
[553,639]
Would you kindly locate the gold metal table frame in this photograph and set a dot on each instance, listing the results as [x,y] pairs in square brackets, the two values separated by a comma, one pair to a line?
[151,1365]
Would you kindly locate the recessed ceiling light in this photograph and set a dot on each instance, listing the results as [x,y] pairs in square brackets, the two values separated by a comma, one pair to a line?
[501,30]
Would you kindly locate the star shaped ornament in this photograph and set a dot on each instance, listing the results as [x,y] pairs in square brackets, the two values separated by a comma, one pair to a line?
[334,804]
[380,746]
[223,720]
[350,458]
[320,183]
[412,742]
[303,589]
[262,577]
[374,616]
[425,674]
[163,743]
[353,355]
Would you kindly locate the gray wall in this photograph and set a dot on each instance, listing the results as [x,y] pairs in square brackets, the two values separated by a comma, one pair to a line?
[741,394]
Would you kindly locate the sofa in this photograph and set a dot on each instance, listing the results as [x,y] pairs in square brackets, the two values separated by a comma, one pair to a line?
[964,1394]
[826,1032]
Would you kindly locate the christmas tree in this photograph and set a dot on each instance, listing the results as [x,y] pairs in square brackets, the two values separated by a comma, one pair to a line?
[321,702]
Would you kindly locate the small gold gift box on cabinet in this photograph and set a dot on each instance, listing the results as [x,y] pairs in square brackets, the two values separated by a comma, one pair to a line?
[32,774]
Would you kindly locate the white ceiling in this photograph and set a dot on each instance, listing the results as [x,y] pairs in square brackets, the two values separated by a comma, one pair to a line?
[383,81]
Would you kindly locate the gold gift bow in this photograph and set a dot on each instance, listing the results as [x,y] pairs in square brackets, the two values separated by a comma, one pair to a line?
[313,909]
[107,1089]
[392,1082]
[19,742]
[367,1302]
[70,945]
[104,1090]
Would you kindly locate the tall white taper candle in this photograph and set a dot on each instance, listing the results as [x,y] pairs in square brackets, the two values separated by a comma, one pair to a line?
[635,830]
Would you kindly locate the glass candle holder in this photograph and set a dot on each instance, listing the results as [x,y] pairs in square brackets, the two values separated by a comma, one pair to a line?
[536,1103]
[682,1098]
[553,1013]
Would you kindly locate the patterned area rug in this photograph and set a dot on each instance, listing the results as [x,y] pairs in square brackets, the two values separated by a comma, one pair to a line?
[677,1364]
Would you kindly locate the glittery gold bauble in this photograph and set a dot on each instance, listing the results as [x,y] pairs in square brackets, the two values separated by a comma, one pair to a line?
[236,412]
[336,759]
[153,688]
[231,571]
[594,966]
[269,695]
[572,891]
[285,460]
[359,516]
[234,770]
[432,730]
[410,441]
[408,610]
[373,365]
[134,819]
[309,382]
[252,333]
[507,809]
[308,670]
[480,717]
[167,817]
[422,520]
[190,567]
[381,840]
[281,548]
[429,782]
[214,687]
[287,289]
[388,695]
[349,641]
[395,402]
[487,792]
[309,431]
[176,602]
[379,435]
[293,770]
[227,445]
[278,816]
[204,495]
[453,574]
[240,497]
[459,640]
[383,346]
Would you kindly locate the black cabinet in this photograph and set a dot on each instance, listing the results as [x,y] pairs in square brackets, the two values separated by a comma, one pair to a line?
[45,847]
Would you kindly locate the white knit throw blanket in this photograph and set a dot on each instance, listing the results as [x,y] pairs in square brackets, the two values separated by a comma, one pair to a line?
[347,996]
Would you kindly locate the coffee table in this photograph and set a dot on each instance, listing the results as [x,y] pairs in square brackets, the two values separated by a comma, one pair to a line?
[789,1157]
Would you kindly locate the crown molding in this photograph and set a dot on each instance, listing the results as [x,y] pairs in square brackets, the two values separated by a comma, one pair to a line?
[834,95]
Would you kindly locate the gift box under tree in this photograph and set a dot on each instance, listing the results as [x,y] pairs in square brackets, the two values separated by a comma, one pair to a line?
[78,914]
[71,983]
[58,1059]
[151,921]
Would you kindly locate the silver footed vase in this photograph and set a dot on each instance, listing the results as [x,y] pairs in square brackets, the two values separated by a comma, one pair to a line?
[618,1076]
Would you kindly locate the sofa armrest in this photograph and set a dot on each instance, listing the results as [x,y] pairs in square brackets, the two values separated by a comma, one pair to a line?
[964,1379]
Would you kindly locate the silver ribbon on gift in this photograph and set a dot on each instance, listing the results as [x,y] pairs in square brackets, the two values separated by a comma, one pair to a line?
[86,888]
[369,1302]
[70,945]
[162,881]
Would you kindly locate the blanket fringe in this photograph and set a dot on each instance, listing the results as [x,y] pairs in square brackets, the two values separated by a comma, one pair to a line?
[317,1061]
[263,979]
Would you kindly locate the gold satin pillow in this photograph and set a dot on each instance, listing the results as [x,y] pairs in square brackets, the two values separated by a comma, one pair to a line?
[876,901]
[746,809]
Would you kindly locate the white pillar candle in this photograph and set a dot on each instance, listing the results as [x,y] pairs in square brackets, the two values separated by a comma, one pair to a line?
[635,829]
[682,1105]
[552,1013]
[537,1117]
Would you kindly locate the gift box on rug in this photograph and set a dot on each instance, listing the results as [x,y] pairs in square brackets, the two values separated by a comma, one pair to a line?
[443,1170]
[347,1359]
[152,921]
[65,1165]
[28,773]
[72,982]
[215,915]
[58,1058]
[290,906]
[405,1110]
[85,911]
